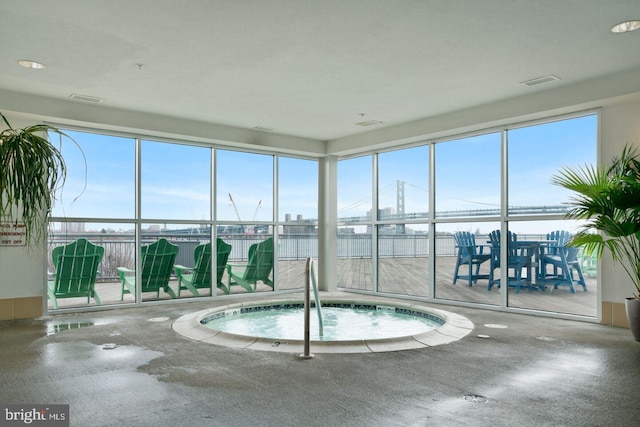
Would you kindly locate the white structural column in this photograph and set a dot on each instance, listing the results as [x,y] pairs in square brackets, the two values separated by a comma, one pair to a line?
[327,223]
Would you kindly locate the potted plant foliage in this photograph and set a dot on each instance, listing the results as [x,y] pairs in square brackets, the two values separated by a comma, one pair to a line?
[31,170]
[608,198]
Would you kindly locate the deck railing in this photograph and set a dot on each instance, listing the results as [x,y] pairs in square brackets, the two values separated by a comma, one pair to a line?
[120,248]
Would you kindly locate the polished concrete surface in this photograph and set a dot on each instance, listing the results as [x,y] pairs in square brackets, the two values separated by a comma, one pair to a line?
[128,367]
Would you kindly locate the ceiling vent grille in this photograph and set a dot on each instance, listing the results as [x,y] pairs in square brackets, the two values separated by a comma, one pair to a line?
[85,98]
[541,80]
[263,128]
[369,123]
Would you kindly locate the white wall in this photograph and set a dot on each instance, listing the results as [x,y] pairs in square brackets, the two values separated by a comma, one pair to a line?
[620,125]
[21,271]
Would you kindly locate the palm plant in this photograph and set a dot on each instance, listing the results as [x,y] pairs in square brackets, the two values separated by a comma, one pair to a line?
[31,170]
[608,198]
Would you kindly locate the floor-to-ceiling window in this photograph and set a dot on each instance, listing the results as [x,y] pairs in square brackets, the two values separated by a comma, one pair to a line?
[399,214]
[355,231]
[245,217]
[467,200]
[535,213]
[177,220]
[297,215]
[98,204]
[401,223]
[495,222]
[175,205]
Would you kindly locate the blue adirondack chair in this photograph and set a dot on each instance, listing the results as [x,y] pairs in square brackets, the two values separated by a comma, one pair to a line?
[564,261]
[471,254]
[517,259]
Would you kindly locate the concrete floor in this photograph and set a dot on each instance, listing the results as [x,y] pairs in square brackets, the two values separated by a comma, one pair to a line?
[536,372]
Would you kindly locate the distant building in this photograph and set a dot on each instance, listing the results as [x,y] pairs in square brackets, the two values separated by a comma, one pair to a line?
[72,227]
[298,227]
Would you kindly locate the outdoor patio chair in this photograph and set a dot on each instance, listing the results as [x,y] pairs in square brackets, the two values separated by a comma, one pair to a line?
[518,259]
[588,264]
[564,261]
[469,254]
[157,265]
[76,269]
[199,277]
[258,268]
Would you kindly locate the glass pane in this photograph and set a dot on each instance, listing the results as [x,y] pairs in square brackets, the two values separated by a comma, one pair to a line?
[403,259]
[354,189]
[193,264]
[354,257]
[538,152]
[549,270]
[105,188]
[297,189]
[252,258]
[468,176]
[296,243]
[464,264]
[175,181]
[244,186]
[118,242]
[403,181]
[159,273]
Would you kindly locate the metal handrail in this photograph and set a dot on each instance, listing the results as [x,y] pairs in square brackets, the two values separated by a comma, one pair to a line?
[317,298]
[310,279]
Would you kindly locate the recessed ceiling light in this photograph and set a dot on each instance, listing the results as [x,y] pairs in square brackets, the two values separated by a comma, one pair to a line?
[27,63]
[625,27]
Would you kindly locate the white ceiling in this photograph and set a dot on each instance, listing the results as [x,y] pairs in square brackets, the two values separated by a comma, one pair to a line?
[309,68]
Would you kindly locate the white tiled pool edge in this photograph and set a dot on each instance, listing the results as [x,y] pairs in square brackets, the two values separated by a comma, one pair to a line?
[454,328]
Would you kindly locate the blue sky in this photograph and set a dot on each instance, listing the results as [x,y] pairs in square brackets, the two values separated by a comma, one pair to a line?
[175,179]
[468,174]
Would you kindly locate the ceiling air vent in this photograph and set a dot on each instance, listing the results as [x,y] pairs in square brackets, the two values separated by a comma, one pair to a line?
[541,80]
[85,98]
[369,123]
[263,128]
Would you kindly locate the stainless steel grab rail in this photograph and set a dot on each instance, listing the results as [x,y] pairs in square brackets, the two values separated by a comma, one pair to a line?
[310,279]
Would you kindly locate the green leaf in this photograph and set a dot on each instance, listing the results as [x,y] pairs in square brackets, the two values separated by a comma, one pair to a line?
[32,170]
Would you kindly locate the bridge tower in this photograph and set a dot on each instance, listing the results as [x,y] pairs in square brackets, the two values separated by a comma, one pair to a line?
[400,206]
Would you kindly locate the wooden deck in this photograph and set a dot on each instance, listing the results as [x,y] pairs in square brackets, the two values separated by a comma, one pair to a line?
[403,276]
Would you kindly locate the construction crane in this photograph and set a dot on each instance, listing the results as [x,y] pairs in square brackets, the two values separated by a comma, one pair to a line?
[234,206]
[255,214]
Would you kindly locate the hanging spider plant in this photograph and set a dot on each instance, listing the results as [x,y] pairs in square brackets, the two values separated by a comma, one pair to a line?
[31,170]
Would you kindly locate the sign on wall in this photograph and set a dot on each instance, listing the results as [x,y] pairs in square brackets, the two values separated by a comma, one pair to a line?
[12,234]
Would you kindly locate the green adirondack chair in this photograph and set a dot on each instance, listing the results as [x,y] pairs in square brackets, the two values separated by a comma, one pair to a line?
[157,265]
[76,269]
[258,269]
[199,277]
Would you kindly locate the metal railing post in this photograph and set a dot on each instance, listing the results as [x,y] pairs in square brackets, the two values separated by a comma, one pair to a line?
[307,310]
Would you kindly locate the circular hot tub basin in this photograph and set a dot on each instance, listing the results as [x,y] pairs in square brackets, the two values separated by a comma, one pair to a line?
[358,326]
